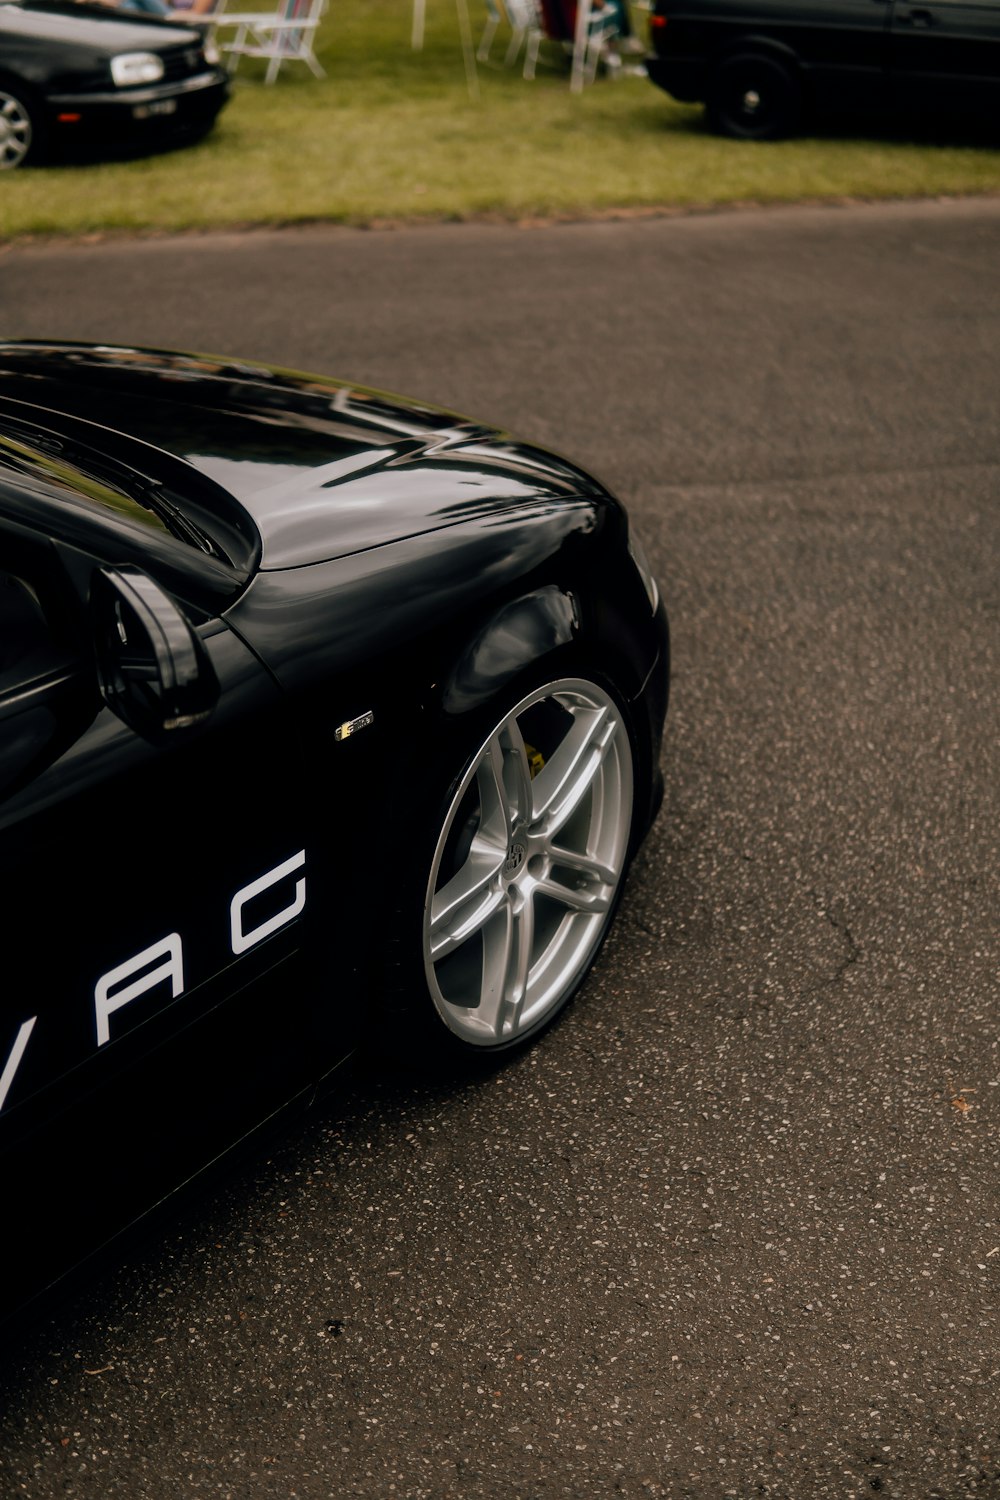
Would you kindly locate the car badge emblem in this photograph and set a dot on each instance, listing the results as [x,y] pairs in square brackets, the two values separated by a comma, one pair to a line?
[353,725]
[514,860]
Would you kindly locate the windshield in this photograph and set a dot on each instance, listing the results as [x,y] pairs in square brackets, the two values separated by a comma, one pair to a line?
[127,481]
[100,479]
[139,506]
[27,459]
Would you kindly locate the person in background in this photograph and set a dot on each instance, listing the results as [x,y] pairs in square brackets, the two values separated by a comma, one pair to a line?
[184,11]
[611,15]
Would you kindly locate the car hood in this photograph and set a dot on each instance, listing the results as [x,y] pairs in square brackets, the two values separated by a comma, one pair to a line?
[101,31]
[324,468]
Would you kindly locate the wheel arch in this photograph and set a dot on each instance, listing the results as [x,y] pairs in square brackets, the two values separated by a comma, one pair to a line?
[545,621]
[554,630]
[30,88]
[518,633]
[567,630]
[753,44]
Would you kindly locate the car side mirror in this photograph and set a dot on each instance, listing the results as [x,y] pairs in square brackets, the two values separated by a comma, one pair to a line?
[154,672]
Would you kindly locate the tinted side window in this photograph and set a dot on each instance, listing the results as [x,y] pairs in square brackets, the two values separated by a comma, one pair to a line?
[40,649]
[29,648]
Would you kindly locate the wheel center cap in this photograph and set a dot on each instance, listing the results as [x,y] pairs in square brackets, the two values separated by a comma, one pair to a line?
[514,860]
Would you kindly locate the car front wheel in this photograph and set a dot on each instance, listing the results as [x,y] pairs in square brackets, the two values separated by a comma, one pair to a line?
[753,98]
[528,865]
[19,132]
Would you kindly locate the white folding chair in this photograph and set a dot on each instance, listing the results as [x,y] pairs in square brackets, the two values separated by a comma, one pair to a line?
[527,30]
[596,24]
[285,34]
[493,19]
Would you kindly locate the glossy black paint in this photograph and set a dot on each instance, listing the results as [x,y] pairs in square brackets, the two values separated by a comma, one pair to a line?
[56,59]
[322,467]
[297,554]
[848,55]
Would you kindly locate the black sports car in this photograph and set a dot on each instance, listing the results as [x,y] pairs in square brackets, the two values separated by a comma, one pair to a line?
[72,73]
[321,715]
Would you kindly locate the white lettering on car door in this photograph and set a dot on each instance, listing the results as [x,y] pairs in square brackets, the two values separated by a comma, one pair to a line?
[240,940]
[172,968]
[163,962]
[14,1059]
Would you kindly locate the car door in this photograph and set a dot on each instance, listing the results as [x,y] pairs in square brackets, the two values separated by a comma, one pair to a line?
[946,54]
[153,881]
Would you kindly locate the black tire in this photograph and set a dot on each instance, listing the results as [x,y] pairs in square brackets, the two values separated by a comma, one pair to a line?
[21,128]
[753,97]
[442,1012]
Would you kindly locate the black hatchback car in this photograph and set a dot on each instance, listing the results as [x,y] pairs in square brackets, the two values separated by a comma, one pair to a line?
[71,73]
[759,64]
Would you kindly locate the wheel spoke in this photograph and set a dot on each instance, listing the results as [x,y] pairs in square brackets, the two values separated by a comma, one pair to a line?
[498,945]
[508,948]
[583,864]
[520,967]
[493,799]
[564,781]
[521,791]
[504,783]
[576,898]
[467,901]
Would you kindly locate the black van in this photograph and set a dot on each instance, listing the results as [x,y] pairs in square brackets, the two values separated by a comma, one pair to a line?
[758,64]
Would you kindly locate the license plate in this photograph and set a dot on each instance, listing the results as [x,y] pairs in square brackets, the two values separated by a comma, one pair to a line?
[158,107]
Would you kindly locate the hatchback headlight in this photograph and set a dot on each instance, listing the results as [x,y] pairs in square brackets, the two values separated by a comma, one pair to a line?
[638,553]
[130,68]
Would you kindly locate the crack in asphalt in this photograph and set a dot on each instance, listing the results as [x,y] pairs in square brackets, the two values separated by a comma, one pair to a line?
[840,927]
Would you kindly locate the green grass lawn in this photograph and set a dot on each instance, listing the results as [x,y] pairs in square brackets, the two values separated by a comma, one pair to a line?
[391,134]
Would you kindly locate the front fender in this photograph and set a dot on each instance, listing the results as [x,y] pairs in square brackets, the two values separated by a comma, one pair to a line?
[521,632]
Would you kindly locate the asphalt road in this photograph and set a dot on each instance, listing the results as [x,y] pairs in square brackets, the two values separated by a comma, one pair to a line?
[733,1228]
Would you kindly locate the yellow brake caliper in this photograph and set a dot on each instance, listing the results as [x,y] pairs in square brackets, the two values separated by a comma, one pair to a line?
[536,759]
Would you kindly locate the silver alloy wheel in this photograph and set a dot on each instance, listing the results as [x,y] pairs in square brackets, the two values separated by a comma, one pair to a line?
[528,862]
[15,131]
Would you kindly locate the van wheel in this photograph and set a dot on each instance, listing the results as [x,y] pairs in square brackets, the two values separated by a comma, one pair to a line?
[753,98]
